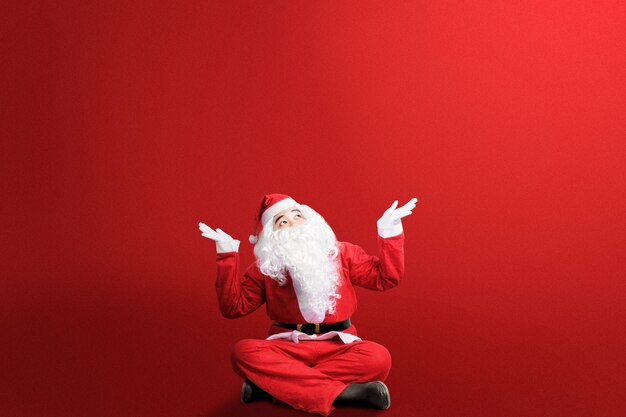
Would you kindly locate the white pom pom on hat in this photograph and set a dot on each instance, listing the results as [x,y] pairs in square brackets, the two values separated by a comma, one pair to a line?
[271,204]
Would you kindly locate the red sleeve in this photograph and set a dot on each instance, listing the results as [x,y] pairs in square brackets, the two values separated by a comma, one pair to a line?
[381,272]
[238,296]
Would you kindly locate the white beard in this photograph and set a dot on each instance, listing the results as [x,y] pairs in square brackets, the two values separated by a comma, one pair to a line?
[308,252]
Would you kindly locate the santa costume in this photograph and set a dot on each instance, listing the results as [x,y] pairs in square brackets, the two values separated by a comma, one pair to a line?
[312,352]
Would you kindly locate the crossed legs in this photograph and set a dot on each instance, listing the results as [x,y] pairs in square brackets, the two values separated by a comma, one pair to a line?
[309,375]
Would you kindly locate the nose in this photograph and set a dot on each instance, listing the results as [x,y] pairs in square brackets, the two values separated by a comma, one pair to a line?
[294,221]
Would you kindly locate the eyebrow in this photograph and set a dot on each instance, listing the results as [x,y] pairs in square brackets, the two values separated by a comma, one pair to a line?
[282,215]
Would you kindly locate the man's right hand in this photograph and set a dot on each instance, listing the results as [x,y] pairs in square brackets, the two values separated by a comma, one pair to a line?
[223,241]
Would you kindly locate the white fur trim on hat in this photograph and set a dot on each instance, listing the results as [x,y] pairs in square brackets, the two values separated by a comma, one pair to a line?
[271,211]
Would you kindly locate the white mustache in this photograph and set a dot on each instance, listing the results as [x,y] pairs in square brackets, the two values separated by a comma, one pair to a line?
[308,252]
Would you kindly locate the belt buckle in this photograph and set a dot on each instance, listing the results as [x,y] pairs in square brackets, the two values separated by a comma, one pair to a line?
[316,331]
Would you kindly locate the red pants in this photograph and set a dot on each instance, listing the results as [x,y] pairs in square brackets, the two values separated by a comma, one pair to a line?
[309,375]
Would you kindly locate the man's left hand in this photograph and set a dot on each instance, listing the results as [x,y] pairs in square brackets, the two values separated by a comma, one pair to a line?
[390,223]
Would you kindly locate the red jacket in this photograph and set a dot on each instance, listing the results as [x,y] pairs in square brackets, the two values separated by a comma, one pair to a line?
[239,296]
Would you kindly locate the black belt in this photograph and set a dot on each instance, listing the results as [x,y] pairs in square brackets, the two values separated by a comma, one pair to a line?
[311,328]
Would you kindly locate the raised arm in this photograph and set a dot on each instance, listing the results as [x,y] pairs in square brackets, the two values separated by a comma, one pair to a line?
[384,271]
[237,295]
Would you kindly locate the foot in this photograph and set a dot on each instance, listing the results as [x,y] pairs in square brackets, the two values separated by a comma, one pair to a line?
[371,394]
[378,395]
[250,392]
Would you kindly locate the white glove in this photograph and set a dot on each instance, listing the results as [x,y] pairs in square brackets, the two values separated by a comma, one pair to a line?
[223,241]
[390,224]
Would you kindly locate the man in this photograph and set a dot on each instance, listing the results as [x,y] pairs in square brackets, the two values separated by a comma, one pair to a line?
[313,358]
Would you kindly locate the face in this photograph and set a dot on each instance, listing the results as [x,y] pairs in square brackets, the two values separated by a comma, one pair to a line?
[287,218]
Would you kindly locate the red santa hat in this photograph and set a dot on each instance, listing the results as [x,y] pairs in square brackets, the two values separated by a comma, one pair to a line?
[271,205]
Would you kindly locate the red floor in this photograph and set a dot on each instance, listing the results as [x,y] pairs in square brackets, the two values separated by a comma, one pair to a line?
[121,356]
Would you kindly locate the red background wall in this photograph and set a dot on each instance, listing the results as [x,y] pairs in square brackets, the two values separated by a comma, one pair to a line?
[125,124]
